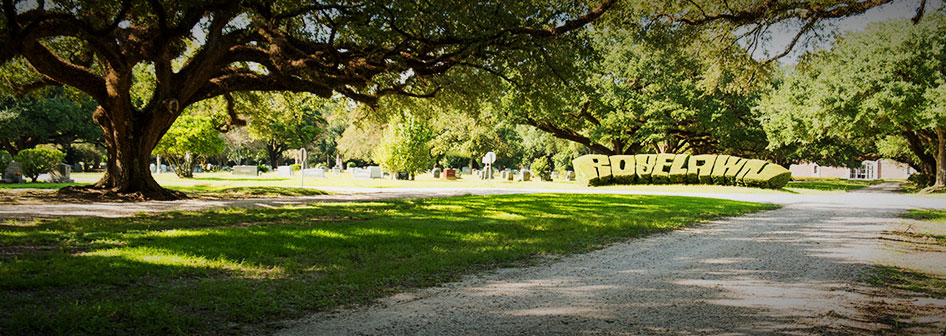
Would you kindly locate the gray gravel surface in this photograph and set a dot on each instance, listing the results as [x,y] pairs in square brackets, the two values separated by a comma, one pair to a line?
[791,271]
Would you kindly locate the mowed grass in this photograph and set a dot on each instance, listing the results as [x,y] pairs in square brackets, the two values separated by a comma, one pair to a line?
[243,270]
[926,227]
[932,224]
[203,191]
[831,184]
[38,185]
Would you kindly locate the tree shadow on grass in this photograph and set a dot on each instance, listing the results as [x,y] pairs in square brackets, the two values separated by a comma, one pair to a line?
[230,267]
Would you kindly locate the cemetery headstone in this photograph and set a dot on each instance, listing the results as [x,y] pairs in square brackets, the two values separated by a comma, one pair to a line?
[61,174]
[402,176]
[246,170]
[450,174]
[314,172]
[570,175]
[359,173]
[164,168]
[524,176]
[13,173]
[284,171]
[375,172]
[436,173]
[466,170]
[154,169]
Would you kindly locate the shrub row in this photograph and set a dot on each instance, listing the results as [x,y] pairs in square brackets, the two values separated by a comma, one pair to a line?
[680,169]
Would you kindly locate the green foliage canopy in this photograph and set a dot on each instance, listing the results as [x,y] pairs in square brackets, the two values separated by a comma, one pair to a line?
[405,146]
[47,116]
[881,90]
[193,134]
[283,120]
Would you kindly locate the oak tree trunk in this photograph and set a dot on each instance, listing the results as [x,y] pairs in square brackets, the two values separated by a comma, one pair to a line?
[274,153]
[129,139]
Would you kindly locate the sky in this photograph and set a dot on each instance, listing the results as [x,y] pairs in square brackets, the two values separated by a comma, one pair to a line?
[897,10]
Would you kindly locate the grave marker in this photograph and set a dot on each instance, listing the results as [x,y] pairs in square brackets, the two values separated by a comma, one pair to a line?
[246,170]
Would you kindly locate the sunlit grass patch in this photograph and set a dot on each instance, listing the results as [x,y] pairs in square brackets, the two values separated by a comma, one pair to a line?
[830,184]
[205,191]
[224,270]
[37,185]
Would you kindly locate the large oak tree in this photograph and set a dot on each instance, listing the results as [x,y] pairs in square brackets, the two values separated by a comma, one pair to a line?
[198,50]
[887,83]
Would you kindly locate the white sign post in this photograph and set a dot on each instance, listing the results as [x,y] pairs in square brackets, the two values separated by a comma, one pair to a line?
[488,160]
[302,171]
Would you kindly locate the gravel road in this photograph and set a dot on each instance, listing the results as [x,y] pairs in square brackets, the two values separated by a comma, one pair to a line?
[789,271]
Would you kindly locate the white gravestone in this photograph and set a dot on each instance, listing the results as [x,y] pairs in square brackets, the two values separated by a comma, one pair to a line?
[284,171]
[246,170]
[314,172]
[359,173]
[375,172]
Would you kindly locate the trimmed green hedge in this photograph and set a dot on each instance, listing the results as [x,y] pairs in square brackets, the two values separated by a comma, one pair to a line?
[679,169]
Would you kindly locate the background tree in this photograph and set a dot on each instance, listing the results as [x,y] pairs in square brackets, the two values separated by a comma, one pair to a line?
[631,89]
[46,116]
[197,50]
[38,161]
[240,149]
[282,121]
[405,146]
[192,135]
[884,86]
[325,147]
[359,139]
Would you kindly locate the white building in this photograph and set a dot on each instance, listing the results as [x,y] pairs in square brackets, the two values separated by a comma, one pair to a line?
[869,170]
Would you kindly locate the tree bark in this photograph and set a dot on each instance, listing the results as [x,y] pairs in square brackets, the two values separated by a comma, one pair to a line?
[274,150]
[129,143]
[940,159]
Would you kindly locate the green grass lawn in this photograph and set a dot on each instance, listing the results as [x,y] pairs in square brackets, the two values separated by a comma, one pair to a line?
[932,224]
[243,270]
[245,192]
[831,184]
[930,227]
[38,185]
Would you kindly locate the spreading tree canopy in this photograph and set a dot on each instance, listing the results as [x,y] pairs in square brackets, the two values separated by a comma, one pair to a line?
[197,50]
[885,86]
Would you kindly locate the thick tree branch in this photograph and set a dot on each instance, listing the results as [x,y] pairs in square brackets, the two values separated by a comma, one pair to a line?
[47,63]
[567,134]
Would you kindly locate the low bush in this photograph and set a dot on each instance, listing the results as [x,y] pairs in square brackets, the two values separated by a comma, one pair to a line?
[38,161]
[263,168]
[921,180]
[296,167]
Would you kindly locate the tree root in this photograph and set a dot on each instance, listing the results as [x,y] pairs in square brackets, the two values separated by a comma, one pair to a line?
[96,193]
[933,190]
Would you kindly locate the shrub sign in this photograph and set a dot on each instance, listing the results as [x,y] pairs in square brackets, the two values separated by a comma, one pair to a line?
[680,168]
